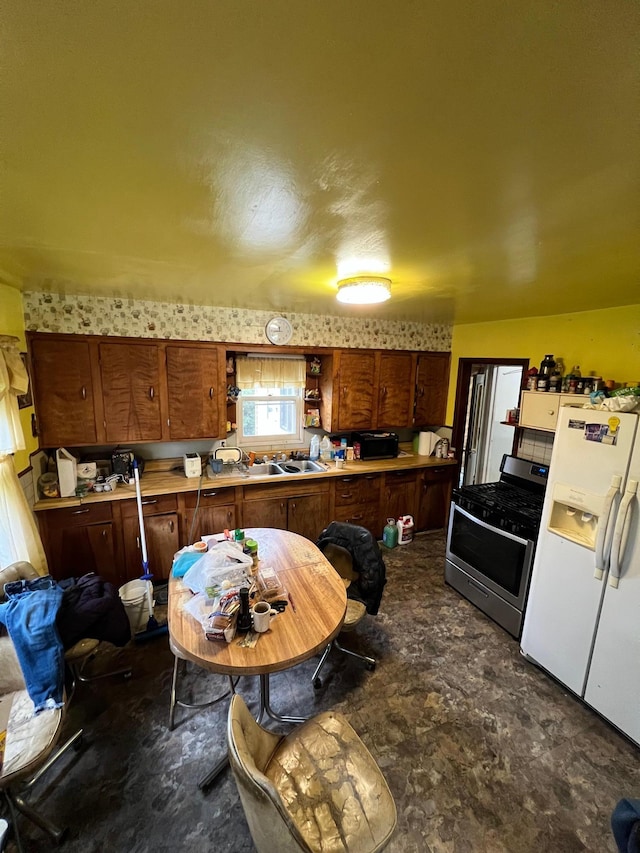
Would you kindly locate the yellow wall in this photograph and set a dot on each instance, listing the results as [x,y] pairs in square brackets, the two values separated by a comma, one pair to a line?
[606,341]
[12,323]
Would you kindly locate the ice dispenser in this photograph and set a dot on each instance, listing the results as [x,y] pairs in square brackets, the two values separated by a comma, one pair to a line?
[580,516]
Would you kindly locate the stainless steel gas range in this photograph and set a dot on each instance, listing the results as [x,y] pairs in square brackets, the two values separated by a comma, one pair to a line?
[493,529]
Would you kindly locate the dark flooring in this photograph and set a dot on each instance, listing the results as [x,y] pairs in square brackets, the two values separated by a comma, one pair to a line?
[482,751]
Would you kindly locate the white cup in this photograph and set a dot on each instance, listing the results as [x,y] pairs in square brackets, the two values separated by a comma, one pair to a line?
[339,462]
[262,616]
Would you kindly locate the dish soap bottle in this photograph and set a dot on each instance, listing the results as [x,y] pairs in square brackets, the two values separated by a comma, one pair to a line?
[314,448]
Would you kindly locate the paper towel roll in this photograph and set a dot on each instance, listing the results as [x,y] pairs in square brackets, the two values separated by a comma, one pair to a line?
[426,442]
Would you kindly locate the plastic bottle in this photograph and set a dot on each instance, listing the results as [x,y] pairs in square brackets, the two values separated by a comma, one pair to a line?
[325,449]
[314,448]
[390,534]
[405,529]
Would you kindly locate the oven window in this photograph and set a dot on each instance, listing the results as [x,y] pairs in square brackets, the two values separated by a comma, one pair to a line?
[493,555]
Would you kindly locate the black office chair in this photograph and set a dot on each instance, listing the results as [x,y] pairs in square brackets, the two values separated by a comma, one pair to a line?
[356,556]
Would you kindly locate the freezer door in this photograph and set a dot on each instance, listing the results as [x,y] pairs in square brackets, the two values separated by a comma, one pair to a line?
[613,685]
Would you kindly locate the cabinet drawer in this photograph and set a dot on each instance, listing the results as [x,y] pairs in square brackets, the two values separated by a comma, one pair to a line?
[289,489]
[399,478]
[78,515]
[357,490]
[439,475]
[210,497]
[363,514]
[152,505]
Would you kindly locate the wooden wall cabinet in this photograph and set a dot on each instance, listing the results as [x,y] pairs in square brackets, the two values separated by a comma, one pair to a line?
[196,380]
[354,390]
[432,383]
[68,408]
[395,389]
[131,392]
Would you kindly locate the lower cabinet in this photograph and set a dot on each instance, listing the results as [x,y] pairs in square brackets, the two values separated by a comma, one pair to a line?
[79,540]
[298,508]
[161,534]
[399,495]
[216,512]
[356,500]
[435,486]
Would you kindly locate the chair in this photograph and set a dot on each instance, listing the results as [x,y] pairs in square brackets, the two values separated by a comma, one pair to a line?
[355,554]
[179,663]
[313,790]
[30,742]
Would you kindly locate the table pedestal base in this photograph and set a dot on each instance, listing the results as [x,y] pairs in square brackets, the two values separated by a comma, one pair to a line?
[265,710]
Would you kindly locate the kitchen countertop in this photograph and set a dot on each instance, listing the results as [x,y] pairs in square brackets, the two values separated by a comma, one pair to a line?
[160,479]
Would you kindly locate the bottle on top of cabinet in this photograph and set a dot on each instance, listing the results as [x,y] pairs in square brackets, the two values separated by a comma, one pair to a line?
[544,374]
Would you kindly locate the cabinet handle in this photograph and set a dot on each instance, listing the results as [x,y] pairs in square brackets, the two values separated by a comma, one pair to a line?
[551,412]
[151,392]
[357,517]
[347,479]
[229,515]
[152,501]
[422,390]
[293,507]
[344,390]
[104,534]
[384,390]
[84,393]
[346,495]
[370,476]
[211,393]
[138,542]
[209,494]
[171,526]
[79,511]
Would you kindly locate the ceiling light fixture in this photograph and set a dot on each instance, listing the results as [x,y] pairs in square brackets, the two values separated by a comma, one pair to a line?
[364,290]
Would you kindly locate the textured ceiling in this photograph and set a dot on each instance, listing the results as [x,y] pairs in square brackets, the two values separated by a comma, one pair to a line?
[484,155]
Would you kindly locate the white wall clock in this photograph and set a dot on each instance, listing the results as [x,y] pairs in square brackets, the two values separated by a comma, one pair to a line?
[278,330]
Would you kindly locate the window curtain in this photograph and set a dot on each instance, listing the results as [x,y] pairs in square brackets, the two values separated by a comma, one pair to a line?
[19,537]
[255,373]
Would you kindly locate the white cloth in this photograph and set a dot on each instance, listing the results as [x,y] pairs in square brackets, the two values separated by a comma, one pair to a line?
[19,537]
[14,380]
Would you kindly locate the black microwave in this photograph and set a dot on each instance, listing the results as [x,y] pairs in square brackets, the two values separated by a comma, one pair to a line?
[377,444]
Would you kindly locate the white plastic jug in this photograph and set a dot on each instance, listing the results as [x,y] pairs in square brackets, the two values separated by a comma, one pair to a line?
[405,529]
[314,447]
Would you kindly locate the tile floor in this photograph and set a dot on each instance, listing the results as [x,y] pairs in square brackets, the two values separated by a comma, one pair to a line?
[483,752]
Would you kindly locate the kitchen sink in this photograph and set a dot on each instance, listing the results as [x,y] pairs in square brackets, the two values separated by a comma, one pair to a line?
[302,466]
[263,469]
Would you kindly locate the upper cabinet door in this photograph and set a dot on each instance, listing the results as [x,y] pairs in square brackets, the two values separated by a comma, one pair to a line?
[355,381]
[131,392]
[63,392]
[196,383]
[432,383]
[396,389]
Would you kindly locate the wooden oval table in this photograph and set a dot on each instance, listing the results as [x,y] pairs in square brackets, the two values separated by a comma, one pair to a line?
[313,617]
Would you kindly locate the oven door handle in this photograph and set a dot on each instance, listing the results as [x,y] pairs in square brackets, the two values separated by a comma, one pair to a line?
[484,524]
[605,525]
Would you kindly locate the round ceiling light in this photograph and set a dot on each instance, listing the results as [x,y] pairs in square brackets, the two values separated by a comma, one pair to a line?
[364,290]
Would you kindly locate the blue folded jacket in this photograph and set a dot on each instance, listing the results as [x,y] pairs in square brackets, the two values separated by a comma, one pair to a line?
[625,823]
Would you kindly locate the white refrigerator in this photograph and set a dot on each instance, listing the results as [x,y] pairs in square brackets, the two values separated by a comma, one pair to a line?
[582,621]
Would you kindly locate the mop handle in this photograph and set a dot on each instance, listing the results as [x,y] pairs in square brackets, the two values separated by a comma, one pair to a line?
[143,540]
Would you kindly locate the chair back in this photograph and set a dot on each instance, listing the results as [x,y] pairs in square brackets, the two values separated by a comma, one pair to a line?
[367,561]
[250,748]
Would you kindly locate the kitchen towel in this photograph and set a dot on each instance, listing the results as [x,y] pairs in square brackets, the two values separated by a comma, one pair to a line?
[426,443]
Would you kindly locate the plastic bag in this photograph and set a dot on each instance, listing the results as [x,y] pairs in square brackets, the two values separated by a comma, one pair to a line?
[223,566]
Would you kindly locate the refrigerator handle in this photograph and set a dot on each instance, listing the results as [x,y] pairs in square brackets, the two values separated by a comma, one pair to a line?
[603,527]
[621,533]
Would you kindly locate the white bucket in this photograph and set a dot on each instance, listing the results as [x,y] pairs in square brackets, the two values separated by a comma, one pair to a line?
[134,597]
[405,529]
